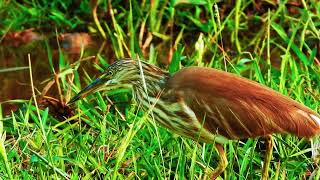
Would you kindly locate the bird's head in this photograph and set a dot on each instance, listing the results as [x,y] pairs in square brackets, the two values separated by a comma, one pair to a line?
[123,74]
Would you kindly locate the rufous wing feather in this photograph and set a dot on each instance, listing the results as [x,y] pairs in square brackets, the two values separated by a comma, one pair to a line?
[239,108]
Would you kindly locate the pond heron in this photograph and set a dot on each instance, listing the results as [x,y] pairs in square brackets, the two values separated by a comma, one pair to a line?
[209,105]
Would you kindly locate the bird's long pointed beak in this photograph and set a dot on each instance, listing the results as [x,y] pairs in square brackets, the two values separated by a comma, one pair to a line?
[83,93]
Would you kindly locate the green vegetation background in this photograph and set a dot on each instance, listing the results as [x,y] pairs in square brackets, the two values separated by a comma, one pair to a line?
[275,43]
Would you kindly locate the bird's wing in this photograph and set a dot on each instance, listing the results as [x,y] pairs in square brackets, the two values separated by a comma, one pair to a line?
[238,108]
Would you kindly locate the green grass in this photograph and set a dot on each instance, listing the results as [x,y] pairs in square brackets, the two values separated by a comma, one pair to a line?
[278,47]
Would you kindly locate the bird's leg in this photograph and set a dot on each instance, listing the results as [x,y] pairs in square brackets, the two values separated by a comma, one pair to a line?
[267,159]
[222,164]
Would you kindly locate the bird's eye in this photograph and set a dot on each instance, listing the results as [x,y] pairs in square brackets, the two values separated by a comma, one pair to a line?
[110,73]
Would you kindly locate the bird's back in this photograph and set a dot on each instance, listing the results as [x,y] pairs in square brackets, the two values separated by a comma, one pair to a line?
[238,108]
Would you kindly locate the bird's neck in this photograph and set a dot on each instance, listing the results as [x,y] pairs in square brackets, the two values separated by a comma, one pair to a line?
[148,90]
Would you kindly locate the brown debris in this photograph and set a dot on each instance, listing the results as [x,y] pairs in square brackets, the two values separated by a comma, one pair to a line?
[17,39]
[57,109]
[73,43]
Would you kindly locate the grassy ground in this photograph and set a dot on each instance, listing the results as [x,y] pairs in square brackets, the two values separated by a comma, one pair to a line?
[275,44]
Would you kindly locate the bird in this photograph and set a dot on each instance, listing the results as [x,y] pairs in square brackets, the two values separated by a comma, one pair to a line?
[209,105]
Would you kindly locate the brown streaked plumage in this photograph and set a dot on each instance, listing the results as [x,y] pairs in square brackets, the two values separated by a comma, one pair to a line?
[209,105]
